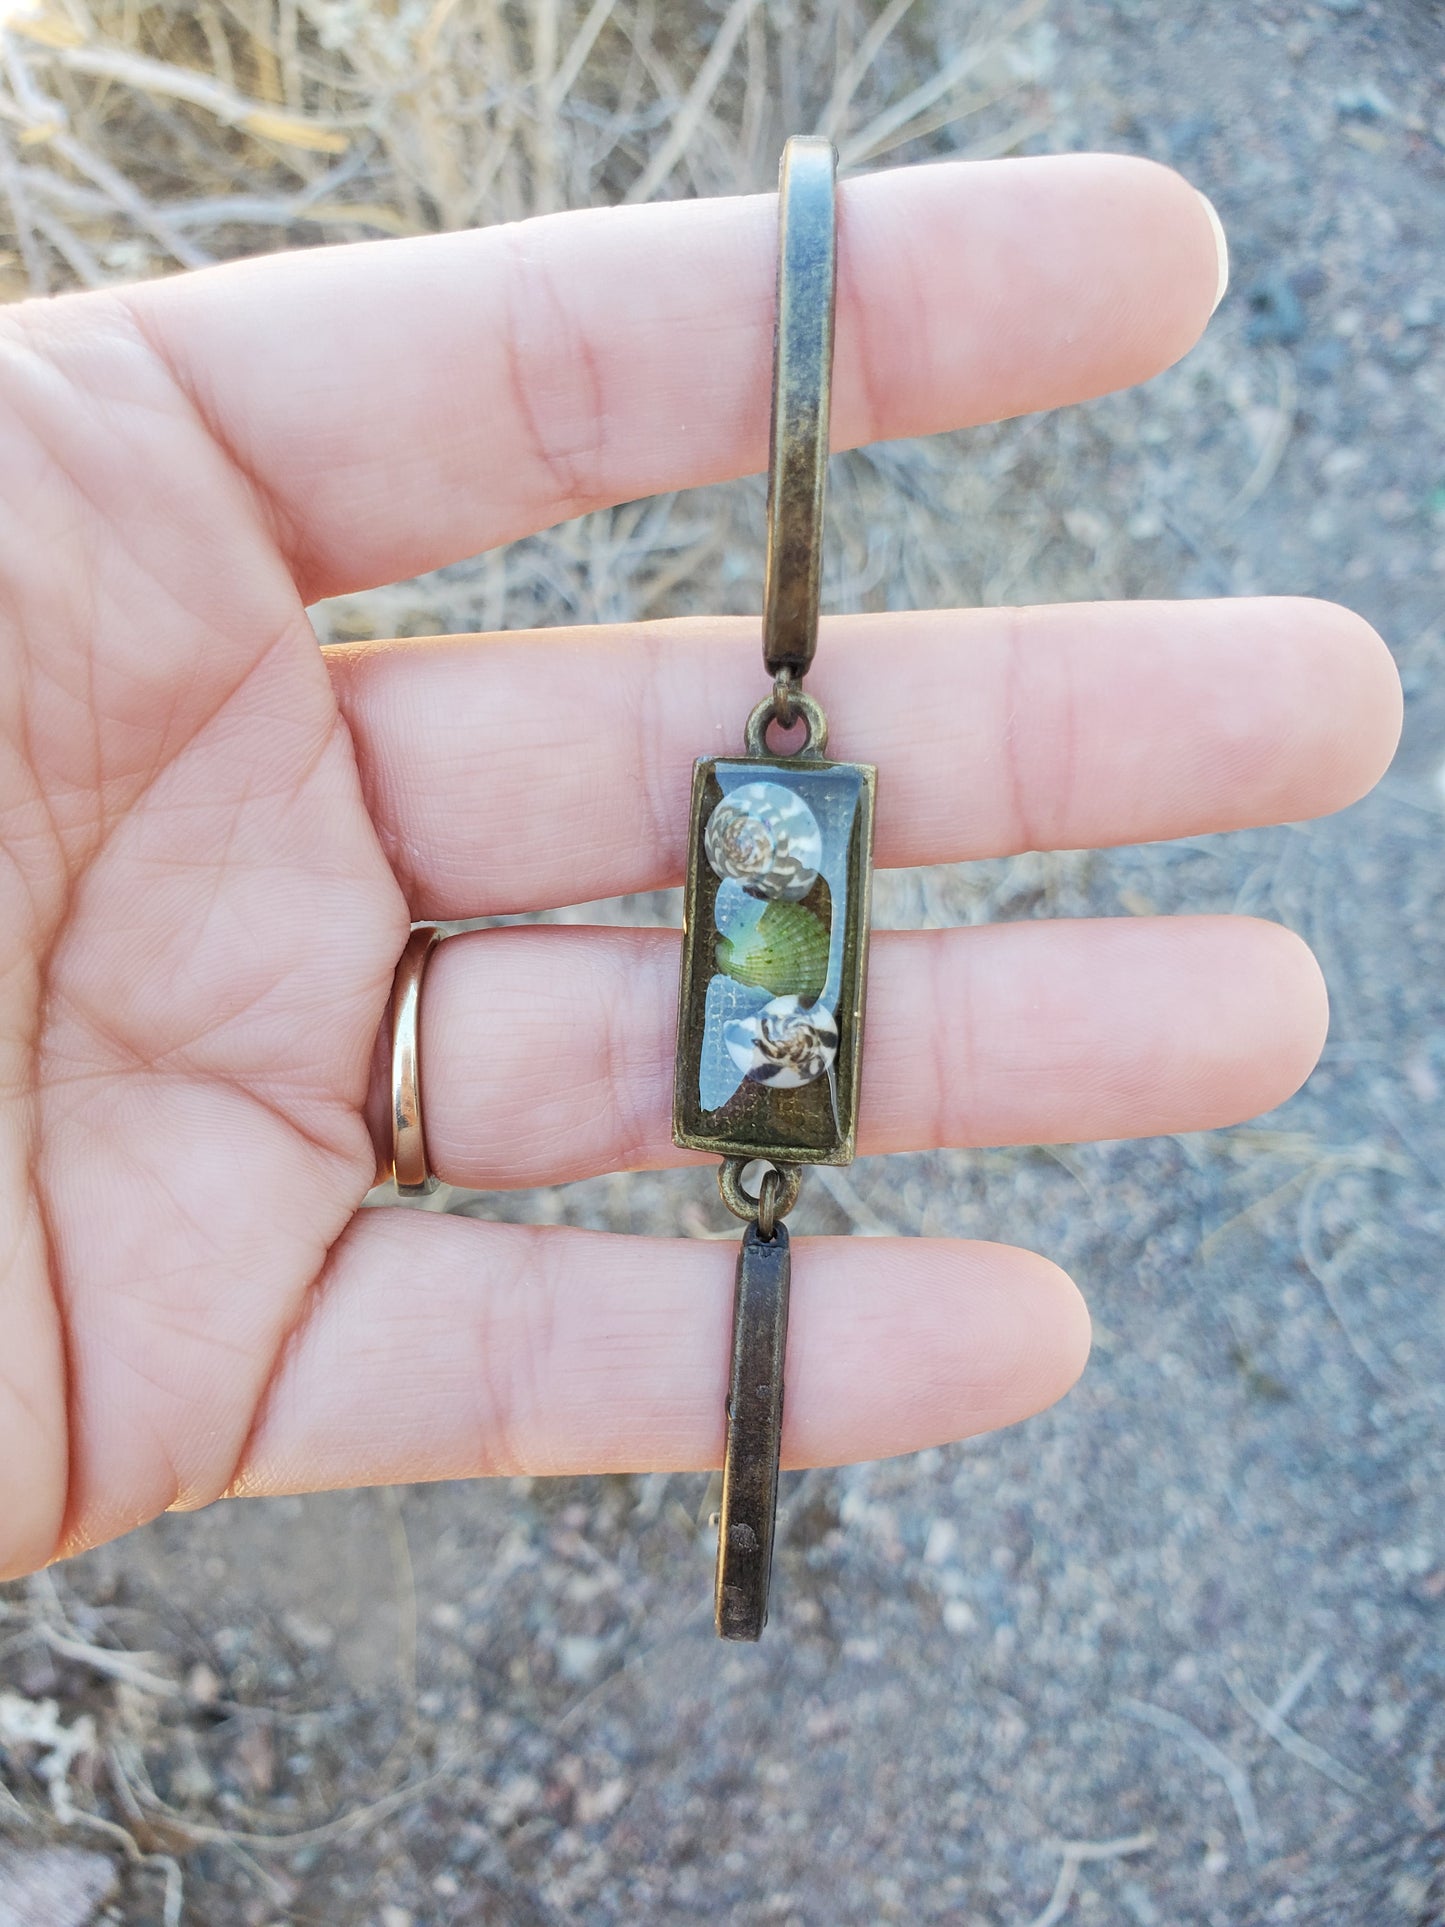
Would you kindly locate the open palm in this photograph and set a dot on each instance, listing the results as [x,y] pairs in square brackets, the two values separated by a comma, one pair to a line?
[214,836]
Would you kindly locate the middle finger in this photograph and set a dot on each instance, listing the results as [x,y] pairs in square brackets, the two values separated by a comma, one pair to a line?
[520,772]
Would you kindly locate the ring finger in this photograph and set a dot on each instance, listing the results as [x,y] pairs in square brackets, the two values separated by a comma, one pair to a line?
[519,772]
[548,1051]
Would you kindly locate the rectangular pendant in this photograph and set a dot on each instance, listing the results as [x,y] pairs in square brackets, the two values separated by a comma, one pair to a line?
[774,958]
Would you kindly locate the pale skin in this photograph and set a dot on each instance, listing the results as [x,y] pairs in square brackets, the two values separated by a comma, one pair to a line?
[214,836]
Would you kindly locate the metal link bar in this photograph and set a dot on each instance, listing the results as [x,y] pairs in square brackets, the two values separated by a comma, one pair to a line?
[802,393]
[748,1515]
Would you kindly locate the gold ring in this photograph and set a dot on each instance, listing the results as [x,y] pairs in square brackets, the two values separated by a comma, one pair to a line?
[409,1169]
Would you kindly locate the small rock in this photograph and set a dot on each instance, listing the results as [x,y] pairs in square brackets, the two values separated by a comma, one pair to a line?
[1363,102]
[312,1635]
[1275,312]
[203,1688]
[192,1782]
[578,1658]
[942,1538]
[513,1798]
[1387,1722]
[1342,463]
[599,1802]
[1089,530]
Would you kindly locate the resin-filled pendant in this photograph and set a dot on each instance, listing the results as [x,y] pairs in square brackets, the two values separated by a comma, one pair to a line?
[775,952]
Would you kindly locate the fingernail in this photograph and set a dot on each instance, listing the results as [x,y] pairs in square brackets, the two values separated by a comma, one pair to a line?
[1221,246]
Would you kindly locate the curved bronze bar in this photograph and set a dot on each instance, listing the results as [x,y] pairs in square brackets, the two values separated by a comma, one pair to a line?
[802,386]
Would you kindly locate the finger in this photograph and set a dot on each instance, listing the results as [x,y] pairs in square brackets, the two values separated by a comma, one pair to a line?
[547,1051]
[509,773]
[400,404]
[441,1348]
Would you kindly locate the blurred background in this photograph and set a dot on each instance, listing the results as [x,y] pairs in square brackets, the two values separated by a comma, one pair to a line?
[1170,1654]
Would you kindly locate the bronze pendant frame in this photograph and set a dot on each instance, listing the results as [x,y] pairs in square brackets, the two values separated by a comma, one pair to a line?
[755,1122]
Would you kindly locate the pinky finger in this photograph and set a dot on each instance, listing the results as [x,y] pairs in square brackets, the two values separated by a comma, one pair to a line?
[439,1348]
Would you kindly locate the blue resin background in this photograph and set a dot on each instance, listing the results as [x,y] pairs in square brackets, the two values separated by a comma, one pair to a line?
[832,795]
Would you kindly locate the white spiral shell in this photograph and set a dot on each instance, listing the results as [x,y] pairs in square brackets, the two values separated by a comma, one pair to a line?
[767,839]
[786,1044]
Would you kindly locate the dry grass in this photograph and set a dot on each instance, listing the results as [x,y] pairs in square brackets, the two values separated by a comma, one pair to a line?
[141,137]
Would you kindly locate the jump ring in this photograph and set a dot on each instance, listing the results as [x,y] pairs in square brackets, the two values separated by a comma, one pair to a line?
[815,742]
[743,1205]
[409,1169]
[770,1193]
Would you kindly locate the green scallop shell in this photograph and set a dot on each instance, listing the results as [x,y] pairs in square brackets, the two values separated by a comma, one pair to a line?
[785,952]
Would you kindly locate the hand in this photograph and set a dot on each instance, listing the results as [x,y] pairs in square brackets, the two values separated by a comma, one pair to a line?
[214,836]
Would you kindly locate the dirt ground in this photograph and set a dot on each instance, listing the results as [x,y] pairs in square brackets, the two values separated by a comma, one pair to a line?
[1168,1656]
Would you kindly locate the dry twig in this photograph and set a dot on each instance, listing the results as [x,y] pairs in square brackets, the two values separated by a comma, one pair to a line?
[1271,1720]
[1236,1780]
[1076,1854]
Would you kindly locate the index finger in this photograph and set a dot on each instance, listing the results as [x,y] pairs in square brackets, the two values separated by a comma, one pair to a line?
[401,404]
